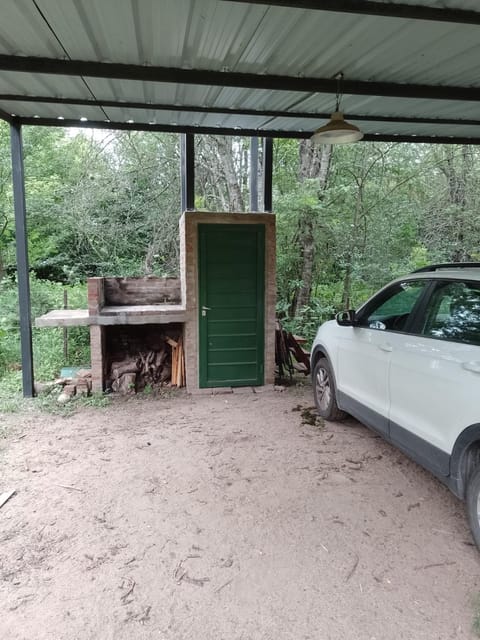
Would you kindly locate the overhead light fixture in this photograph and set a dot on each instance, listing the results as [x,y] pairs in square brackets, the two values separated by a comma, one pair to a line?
[337,130]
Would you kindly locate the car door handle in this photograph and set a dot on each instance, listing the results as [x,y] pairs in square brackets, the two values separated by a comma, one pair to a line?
[385,347]
[472,366]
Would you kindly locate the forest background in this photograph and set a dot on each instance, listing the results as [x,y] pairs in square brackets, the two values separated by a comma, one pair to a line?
[349,218]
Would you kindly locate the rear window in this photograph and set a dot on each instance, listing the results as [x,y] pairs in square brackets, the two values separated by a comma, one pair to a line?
[453,313]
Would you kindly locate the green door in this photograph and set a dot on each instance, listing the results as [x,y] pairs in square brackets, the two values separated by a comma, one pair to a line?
[231,304]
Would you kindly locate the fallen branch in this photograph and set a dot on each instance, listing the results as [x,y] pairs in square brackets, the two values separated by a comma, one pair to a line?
[435,564]
[5,497]
[132,583]
[66,486]
[218,589]
[353,569]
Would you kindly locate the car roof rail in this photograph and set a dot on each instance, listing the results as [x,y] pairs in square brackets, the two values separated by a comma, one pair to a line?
[447,265]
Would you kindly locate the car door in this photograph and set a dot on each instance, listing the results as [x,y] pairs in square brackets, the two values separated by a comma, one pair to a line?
[365,350]
[435,375]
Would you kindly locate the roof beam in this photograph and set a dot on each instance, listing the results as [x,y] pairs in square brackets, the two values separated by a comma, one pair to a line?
[269,113]
[219,131]
[384,9]
[233,79]
[6,116]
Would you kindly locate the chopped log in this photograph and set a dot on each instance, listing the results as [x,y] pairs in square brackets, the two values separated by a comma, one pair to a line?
[160,358]
[172,342]
[120,368]
[126,384]
[166,374]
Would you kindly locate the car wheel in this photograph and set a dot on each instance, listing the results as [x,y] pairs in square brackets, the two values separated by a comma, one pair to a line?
[324,392]
[473,505]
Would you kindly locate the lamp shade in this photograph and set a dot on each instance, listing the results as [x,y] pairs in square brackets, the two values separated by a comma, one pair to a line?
[337,131]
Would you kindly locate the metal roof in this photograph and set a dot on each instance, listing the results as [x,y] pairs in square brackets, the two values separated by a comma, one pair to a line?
[411,68]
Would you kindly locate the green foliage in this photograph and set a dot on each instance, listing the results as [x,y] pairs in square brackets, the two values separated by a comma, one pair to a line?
[108,204]
[48,344]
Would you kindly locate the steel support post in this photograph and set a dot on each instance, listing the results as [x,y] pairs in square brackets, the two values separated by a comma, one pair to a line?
[187,160]
[267,173]
[253,174]
[18,178]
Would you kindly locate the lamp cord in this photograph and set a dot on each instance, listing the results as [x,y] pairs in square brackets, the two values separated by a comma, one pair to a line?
[338,96]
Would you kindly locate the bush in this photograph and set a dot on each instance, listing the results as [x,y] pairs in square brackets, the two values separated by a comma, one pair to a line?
[48,344]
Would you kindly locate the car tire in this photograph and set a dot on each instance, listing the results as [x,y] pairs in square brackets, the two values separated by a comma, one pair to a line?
[325,393]
[473,505]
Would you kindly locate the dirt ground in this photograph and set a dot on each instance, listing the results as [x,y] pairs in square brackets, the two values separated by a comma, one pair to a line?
[225,517]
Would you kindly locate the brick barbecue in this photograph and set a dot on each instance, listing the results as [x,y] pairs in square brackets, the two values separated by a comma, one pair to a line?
[138,313]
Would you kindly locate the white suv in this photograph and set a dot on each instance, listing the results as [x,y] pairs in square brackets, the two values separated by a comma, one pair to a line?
[407,364]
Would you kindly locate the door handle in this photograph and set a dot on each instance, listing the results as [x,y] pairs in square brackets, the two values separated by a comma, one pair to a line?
[472,366]
[385,347]
[206,309]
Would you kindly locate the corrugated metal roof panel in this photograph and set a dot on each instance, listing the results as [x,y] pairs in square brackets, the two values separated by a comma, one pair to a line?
[240,37]
[65,112]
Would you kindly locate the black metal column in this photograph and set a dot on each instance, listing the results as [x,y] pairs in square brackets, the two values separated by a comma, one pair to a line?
[267,173]
[253,174]
[187,160]
[18,178]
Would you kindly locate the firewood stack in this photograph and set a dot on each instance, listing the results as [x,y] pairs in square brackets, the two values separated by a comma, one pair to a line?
[153,368]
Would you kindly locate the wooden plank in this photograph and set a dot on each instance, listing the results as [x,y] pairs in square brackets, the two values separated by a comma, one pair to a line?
[182,365]
[174,364]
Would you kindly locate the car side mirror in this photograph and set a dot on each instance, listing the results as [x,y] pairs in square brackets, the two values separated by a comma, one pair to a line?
[346,318]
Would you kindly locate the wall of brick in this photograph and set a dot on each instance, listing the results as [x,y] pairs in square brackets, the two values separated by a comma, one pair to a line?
[95,295]
[97,357]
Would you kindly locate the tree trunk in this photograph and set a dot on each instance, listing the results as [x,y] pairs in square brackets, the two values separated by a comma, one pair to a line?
[225,152]
[457,178]
[314,163]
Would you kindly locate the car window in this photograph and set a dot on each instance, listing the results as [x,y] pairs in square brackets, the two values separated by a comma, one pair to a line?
[392,312]
[453,313]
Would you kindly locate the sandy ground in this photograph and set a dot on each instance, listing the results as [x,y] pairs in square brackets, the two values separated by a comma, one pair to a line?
[225,517]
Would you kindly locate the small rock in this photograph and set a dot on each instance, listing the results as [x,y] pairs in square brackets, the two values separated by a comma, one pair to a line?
[279,387]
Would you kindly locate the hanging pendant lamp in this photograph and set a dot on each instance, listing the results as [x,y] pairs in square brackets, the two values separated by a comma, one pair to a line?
[337,130]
